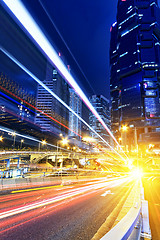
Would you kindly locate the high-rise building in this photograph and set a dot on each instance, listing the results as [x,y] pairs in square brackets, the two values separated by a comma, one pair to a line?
[135,66]
[102,106]
[75,104]
[49,107]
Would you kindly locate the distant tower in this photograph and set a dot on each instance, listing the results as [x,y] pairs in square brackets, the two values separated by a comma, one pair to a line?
[102,106]
[49,105]
[75,104]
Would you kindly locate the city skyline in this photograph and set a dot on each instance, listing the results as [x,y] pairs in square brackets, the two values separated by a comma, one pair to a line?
[75,163]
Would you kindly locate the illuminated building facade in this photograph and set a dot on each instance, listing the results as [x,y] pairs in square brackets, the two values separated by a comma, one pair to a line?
[102,106]
[16,103]
[135,66]
[49,107]
[75,104]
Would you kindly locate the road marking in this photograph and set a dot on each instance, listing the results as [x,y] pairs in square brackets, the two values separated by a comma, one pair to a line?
[157,204]
[107,192]
[35,189]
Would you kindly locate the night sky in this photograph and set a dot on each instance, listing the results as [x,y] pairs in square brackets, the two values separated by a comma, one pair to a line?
[80,30]
[84,26]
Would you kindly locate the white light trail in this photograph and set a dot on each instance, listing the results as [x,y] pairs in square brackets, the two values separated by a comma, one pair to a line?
[26,136]
[59,99]
[69,194]
[33,29]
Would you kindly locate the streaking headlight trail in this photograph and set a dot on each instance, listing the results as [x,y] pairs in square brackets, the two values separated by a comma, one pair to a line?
[69,194]
[33,29]
[59,99]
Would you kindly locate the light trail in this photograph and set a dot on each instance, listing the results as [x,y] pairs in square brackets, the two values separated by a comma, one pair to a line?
[37,213]
[24,17]
[27,137]
[71,193]
[59,99]
[37,110]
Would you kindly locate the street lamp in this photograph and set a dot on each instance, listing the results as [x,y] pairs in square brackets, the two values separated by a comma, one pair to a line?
[64,141]
[43,142]
[1,139]
[124,129]
[14,139]
[22,141]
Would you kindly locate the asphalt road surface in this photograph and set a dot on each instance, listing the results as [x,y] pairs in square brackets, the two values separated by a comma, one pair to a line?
[152,195]
[59,212]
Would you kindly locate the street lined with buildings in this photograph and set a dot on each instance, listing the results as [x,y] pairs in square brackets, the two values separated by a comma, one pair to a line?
[55,135]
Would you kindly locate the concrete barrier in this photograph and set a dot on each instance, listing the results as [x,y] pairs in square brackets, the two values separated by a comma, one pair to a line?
[15,183]
[127,217]
[146,232]
[125,227]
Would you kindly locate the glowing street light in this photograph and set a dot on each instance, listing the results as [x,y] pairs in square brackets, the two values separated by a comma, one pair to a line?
[44,142]
[22,141]
[64,141]
[14,139]
[120,139]
[124,128]
[1,138]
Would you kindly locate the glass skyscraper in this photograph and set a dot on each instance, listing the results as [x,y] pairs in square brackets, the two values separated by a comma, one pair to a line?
[75,104]
[135,66]
[102,106]
[49,109]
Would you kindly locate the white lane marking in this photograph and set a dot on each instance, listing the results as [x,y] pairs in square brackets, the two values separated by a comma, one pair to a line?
[107,192]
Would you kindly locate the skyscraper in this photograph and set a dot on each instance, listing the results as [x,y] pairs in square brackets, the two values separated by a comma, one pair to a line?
[102,106]
[135,66]
[49,106]
[75,104]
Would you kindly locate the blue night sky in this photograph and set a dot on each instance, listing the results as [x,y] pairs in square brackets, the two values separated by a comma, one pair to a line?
[84,27]
[80,30]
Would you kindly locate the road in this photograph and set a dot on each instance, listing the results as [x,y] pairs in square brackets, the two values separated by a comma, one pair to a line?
[59,212]
[152,195]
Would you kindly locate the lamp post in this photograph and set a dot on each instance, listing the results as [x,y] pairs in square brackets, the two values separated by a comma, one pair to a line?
[22,141]
[43,142]
[14,139]
[124,129]
[57,154]
[1,139]
[64,141]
